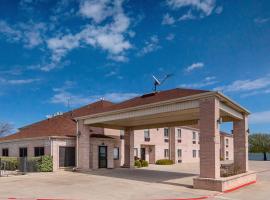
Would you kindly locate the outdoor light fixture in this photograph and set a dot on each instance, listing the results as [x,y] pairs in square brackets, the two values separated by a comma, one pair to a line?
[248,131]
[219,121]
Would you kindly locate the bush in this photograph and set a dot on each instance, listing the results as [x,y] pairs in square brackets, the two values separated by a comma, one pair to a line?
[9,163]
[138,163]
[144,163]
[164,162]
[45,164]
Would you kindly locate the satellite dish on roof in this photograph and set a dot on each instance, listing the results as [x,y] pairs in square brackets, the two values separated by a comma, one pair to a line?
[158,82]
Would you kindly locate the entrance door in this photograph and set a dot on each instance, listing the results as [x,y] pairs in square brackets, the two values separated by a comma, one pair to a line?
[102,158]
[143,153]
[66,156]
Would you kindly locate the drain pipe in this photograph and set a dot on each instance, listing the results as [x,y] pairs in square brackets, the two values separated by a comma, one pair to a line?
[77,144]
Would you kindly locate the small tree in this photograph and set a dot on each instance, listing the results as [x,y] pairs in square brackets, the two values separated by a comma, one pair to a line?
[5,128]
[259,143]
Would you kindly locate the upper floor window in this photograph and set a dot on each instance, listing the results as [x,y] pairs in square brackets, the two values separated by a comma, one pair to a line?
[179,153]
[122,133]
[39,151]
[179,133]
[227,155]
[166,132]
[194,153]
[136,152]
[194,135]
[5,152]
[227,142]
[146,133]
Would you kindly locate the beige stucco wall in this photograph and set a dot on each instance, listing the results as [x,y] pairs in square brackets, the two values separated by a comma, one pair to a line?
[14,146]
[226,148]
[51,147]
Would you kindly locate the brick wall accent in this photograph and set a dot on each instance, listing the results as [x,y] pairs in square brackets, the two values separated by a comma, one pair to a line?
[129,148]
[240,138]
[209,138]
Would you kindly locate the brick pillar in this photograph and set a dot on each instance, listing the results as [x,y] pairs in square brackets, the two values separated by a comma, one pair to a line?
[240,141]
[129,148]
[209,138]
[84,146]
[172,144]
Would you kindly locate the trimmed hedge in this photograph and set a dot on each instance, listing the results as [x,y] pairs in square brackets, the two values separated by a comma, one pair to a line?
[140,163]
[10,163]
[45,164]
[164,162]
[33,164]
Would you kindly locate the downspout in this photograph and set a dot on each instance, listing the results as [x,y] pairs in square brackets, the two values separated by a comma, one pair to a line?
[77,144]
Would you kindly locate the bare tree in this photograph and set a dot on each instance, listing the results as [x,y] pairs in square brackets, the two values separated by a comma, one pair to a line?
[5,128]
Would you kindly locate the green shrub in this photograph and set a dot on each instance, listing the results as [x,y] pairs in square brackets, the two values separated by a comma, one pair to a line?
[144,163]
[164,162]
[138,163]
[10,163]
[45,164]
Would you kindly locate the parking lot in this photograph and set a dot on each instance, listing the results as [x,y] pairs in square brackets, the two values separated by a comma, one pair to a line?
[154,182]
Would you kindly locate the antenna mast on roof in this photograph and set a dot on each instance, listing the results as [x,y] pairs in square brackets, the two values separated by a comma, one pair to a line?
[158,82]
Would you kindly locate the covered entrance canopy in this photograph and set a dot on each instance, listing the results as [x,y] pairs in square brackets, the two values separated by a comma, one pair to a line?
[180,107]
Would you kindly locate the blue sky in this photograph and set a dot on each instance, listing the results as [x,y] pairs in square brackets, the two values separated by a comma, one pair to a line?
[78,51]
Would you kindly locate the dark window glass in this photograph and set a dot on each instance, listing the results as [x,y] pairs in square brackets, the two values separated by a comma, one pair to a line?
[66,156]
[39,151]
[23,152]
[5,152]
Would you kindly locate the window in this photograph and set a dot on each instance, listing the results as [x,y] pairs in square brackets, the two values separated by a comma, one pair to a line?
[179,153]
[166,153]
[227,155]
[194,135]
[136,152]
[147,135]
[179,133]
[116,153]
[39,151]
[194,152]
[227,142]
[122,134]
[23,152]
[5,152]
[166,132]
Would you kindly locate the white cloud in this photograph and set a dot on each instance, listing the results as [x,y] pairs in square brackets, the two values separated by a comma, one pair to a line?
[219,10]
[64,96]
[261,20]
[197,9]
[260,117]
[194,66]
[205,82]
[170,37]
[98,10]
[110,36]
[150,46]
[17,81]
[187,16]
[204,6]
[30,33]
[168,19]
[246,85]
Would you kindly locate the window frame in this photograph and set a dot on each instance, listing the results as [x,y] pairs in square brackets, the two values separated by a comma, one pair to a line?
[40,149]
[179,133]
[166,133]
[166,153]
[24,152]
[5,152]
[194,153]
[118,153]
[179,153]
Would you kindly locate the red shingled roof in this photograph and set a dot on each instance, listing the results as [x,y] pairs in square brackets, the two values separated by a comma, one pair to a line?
[64,125]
